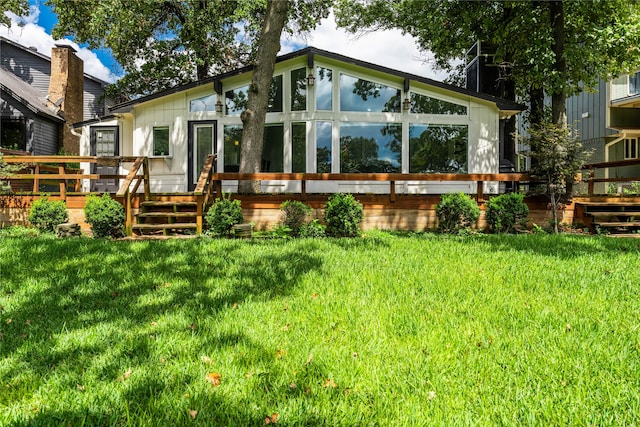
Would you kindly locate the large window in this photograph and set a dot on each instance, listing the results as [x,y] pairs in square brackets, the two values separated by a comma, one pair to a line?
[272,152]
[324,89]
[299,89]
[13,134]
[323,146]
[206,103]
[298,147]
[161,141]
[236,99]
[421,104]
[634,84]
[438,148]
[370,147]
[365,96]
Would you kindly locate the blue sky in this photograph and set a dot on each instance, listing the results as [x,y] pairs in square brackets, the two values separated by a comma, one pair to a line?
[387,48]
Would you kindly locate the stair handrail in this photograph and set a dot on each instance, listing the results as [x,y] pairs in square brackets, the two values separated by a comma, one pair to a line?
[204,189]
[125,189]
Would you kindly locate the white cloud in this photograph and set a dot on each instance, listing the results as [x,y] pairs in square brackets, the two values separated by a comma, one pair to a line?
[388,48]
[26,32]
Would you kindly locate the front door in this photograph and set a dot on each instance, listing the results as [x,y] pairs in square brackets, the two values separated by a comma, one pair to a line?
[202,142]
[105,143]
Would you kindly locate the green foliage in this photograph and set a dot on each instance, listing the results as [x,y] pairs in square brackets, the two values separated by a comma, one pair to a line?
[294,215]
[223,215]
[505,211]
[557,158]
[456,212]
[19,231]
[343,215]
[7,170]
[105,216]
[18,7]
[313,230]
[45,214]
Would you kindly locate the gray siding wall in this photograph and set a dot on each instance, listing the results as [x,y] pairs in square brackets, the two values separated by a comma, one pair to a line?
[45,137]
[28,66]
[595,104]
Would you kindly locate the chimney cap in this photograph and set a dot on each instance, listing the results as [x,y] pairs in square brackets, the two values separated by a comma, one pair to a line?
[66,46]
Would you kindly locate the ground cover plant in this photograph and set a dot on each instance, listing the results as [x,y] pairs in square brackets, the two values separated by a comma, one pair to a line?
[419,329]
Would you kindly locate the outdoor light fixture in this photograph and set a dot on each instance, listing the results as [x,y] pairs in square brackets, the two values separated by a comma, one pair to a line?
[218,107]
[311,80]
[406,104]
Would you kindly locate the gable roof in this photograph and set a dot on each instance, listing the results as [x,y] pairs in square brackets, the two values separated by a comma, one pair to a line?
[28,96]
[35,53]
[310,53]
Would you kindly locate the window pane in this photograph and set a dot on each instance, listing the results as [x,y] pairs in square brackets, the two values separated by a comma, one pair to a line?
[206,103]
[204,145]
[236,99]
[161,141]
[12,134]
[370,147]
[232,140]
[363,95]
[273,150]
[299,89]
[298,147]
[323,147]
[634,83]
[422,104]
[272,153]
[438,148]
[324,90]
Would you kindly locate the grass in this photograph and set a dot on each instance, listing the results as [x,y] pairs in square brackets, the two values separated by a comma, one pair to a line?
[385,330]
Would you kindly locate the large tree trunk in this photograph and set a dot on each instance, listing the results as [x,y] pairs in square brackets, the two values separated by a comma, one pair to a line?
[559,95]
[254,116]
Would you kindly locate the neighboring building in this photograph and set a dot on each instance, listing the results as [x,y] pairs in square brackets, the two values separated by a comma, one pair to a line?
[40,96]
[608,121]
[327,113]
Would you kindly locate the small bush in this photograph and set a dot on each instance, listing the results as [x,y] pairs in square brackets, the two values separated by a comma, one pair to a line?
[343,215]
[456,212]
[294,215]
[313,230]
[105,216]
[223,215]
[505,211]
[45,214]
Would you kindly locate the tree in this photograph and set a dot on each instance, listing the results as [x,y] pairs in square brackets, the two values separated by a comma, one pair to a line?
[558,48]
[161,44]
[558,159]
[18,7]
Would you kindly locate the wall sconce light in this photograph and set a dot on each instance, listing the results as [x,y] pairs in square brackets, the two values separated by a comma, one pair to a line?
[218,106]
[311,80]
[406,104]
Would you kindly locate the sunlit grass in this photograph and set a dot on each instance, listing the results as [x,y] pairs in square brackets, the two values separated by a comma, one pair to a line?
[385,330]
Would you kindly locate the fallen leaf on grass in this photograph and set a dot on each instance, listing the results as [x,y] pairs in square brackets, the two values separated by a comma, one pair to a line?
[9,320]
[126,375]
[309,359]
[431,395]
[193,414]
[206,359]
[214,378]
[234,306]
[329,383]
[80,387]
[314,295]
[271,419]
[568,327]
[286,327]
[280,353]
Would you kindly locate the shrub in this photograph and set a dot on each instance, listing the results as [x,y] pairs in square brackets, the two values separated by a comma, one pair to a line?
[313,230]
[343,215]
[456,212]
[45,214]
[294,215]
[223,215]
[105,216]
[505,211]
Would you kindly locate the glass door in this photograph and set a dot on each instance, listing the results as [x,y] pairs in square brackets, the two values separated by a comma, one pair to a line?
[202,142]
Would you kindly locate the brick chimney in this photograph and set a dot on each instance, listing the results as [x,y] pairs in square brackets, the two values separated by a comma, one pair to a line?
[66,90]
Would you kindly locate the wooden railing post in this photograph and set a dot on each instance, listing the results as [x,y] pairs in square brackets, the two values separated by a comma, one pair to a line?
[63,182]
[392,191]
[199,213]
[145,173]
[128,215]
[480,194]
[36,180]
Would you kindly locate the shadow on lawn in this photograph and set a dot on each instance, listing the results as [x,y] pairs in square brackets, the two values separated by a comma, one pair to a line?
[69,287]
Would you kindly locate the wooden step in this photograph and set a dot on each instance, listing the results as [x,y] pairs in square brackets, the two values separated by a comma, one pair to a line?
[614,213]
[174,226]
[167,214]
[617,224]
[156,203]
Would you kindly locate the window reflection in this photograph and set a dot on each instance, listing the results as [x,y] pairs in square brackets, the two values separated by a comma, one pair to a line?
[298,147]
[323,146]
[236,99]
[324,89]
[438,148]
[365,96]
[370,148]
[422,104]
[299,89]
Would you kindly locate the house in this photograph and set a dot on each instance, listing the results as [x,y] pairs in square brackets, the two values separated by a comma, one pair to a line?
[40,96]
[608,121]
[328,113]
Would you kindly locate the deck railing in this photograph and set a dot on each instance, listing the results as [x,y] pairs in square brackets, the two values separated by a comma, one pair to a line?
[391,178]
[592,168]
[204,189]
[134,178]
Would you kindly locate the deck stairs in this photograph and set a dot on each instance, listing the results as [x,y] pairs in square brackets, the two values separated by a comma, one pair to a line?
[619,218]
[166,218]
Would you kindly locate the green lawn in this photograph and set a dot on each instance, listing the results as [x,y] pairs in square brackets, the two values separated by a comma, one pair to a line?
[384,330]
